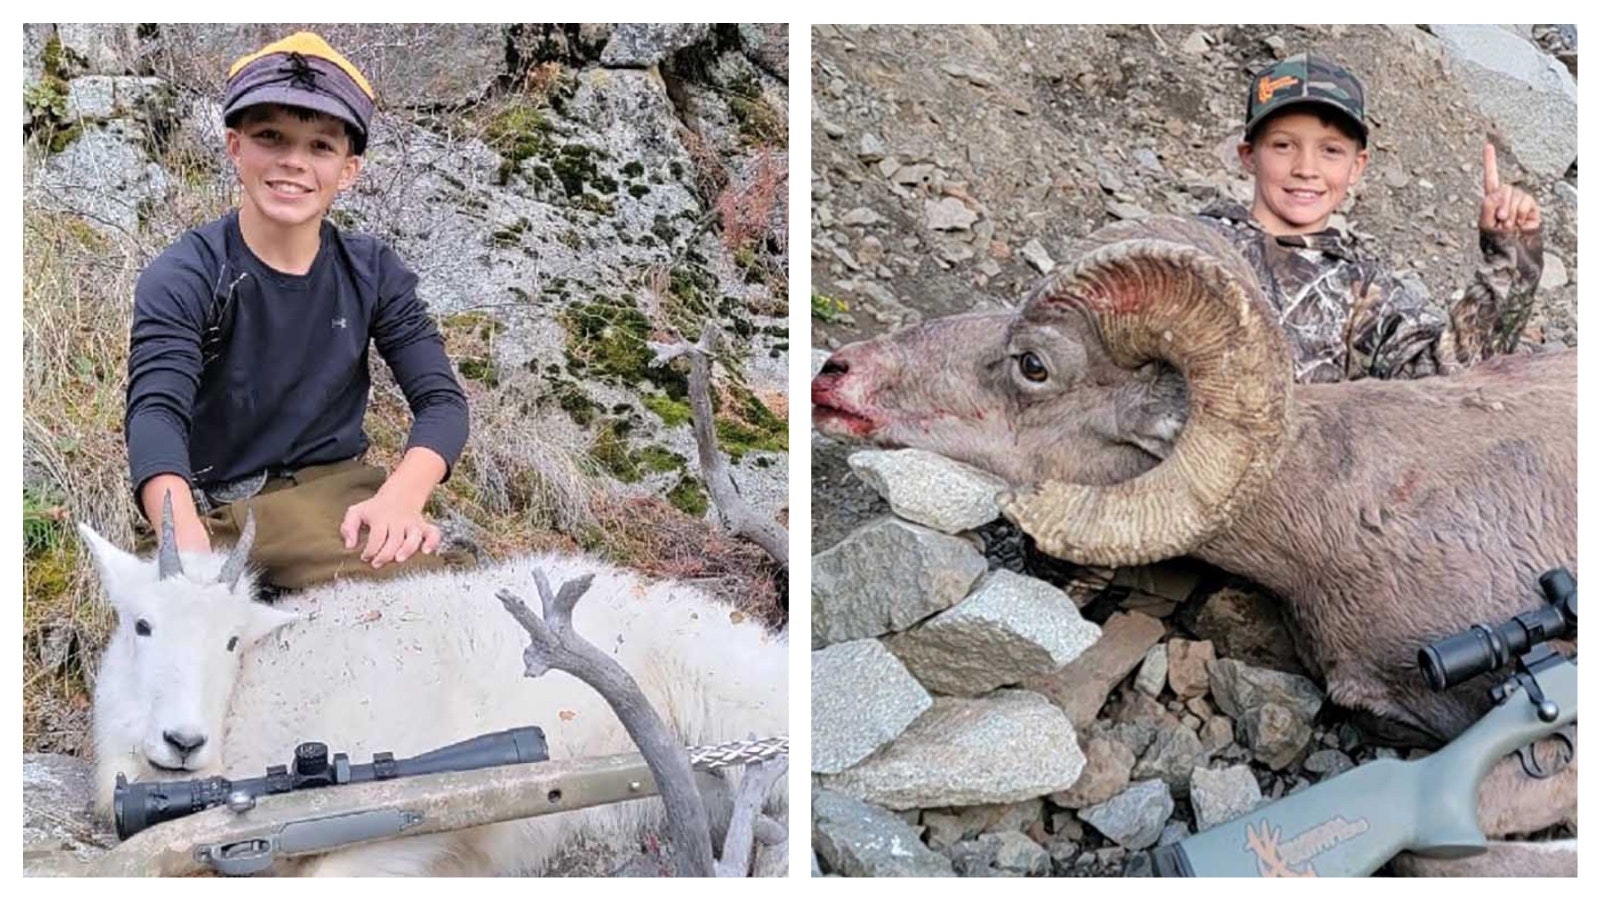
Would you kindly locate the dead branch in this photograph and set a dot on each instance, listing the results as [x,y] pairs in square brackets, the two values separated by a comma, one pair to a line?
[737,515]
[738,846]
[555,645]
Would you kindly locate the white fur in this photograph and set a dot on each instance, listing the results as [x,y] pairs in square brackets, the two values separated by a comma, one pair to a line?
[410,665]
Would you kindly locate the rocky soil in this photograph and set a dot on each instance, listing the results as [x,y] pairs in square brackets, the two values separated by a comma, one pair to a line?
[951,166]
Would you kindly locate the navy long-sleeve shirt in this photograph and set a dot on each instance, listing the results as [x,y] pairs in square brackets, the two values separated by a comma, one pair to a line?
[235,367]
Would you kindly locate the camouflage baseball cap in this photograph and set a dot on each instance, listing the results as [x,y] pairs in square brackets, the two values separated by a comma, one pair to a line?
[1303,78]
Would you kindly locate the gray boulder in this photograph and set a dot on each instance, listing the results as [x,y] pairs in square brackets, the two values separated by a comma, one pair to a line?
[866,841]
[59,825]
[103,176]
[929,489]
[1135,817]
[1009,628]
[96,49]
[862,697]
[1220,795]
[1003,854]
[640,45]
[1010,746]
[887,576]
[1531,96]
[1274,709]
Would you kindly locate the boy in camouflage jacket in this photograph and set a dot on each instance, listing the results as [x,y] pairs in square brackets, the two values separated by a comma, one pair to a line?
[1305,142]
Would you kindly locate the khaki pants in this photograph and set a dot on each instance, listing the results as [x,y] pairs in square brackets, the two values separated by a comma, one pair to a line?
[297,528]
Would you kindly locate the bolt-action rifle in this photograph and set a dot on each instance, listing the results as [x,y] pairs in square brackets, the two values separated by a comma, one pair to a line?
[319,804]
[1357,821]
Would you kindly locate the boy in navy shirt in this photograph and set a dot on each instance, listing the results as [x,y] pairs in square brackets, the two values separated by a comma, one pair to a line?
[247,372]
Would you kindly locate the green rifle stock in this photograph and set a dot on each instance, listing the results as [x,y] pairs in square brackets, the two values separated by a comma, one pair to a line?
[1357,821]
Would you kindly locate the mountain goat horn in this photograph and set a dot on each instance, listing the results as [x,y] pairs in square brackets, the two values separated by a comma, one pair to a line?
[239,556]
[167,562]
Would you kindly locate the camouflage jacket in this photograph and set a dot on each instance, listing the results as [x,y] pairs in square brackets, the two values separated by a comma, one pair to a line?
[1346,317]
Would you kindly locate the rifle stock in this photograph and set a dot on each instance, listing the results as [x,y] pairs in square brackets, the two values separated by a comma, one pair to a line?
[1353,823]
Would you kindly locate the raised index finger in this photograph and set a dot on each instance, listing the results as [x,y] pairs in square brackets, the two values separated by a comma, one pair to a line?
[1491,170]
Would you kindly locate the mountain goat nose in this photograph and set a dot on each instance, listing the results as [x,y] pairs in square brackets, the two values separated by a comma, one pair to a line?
[834,366]
[185,744]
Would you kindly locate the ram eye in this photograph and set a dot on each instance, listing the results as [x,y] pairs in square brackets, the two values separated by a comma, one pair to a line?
[141,628]
[1032,367]
[233,642]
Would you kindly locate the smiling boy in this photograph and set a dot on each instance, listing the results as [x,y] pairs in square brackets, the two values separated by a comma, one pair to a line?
[247,371]
[1305,142]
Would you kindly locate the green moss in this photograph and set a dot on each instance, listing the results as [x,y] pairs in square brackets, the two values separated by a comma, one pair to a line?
[574,165]
[688,496]
[671,412]
[754,429]
[610,451]
[638,190]
[759,124]
[519,132]
[662,228]
[633,169]
[676,168]
[607,341]
[657,458]
[511,235]
[476,368]
[575,403]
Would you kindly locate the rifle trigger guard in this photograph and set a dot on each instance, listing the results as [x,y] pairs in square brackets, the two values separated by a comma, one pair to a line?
[1568,737]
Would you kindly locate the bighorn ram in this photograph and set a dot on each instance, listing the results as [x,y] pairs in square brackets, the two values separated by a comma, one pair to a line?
[1141,404]
[199,679]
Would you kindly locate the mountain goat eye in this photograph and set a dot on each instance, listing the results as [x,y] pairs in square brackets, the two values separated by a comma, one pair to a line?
[233,642]
[1032,367]
[141,628]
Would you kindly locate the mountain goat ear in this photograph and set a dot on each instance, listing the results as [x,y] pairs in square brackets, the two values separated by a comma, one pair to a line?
[118,569]
[1151,409]
[264,620]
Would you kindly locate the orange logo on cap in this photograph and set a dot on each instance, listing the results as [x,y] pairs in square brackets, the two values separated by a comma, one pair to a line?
[1265,88]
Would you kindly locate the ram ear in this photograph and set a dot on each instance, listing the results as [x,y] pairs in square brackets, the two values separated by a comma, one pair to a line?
[1152,408]
[119,570]
[263,620]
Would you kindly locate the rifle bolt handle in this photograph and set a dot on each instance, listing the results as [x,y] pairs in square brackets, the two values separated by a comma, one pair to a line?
[240,801]
[1548,711]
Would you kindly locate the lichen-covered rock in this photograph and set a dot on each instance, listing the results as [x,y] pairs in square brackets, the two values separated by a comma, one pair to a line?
[1009,628]
[1009,746]
[641,44]
[929,489]
[59,823]
[862,697]
[887,576]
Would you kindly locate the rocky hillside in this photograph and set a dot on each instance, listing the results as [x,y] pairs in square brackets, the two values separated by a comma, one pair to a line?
[566,194]
[1011,715]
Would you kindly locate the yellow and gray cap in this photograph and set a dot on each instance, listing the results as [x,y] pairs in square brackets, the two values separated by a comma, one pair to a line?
[302,70]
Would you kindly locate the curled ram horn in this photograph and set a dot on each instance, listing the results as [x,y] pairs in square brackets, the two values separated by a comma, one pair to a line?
[239,556]
[167,562]
[1173,290]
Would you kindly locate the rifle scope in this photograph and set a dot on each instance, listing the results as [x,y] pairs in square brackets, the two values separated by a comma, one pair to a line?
[142,804]
[1481,649]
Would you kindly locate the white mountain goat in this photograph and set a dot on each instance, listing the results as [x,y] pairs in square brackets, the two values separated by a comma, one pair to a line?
[200,680]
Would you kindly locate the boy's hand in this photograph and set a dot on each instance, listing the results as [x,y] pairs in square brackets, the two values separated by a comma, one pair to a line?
[396,528]
[395,532]
[1505,209]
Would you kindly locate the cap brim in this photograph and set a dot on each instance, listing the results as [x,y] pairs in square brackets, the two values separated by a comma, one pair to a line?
[291,96]
[1268,111]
